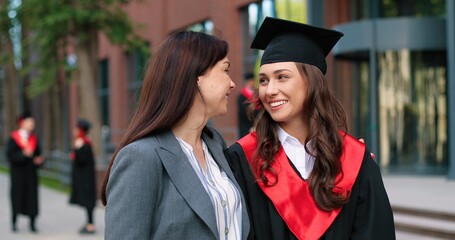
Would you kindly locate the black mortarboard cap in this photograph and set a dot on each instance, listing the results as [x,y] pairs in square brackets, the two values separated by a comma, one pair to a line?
[83,124]
[287,41]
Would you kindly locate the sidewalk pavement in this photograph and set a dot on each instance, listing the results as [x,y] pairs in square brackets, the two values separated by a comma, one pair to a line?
[57,219]
[435,193]
[432,193]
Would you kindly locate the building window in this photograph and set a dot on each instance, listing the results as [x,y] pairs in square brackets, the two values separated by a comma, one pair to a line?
[412,8]
[361,103]
[205,27]
[295,10]
[413,110]
[252,17]
[366,9]
[135,67]
[103,91]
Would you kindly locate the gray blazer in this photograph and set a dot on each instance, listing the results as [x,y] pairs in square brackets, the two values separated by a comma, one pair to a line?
[154,193]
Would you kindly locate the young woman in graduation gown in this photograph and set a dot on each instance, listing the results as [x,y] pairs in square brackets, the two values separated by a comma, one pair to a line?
[24,156]
[302,175]
[83,174]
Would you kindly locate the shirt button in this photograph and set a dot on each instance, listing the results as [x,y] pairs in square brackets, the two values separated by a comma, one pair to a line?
[213,183]
[226,231]
[223,203]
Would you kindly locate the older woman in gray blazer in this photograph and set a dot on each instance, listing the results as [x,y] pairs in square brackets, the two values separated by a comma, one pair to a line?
[168,178]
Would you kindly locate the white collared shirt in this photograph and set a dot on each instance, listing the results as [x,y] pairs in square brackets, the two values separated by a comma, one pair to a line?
[226,198]
[24,134]
[295,151]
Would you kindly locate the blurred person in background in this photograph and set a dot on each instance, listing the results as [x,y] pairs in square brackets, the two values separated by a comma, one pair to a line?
[246,93]
[83,175]
[24,157]
[169,178]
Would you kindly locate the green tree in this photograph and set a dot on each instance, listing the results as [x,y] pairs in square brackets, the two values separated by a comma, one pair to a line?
[58,25]
[9,83]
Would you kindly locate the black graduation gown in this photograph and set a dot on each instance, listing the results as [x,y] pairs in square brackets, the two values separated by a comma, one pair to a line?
[367,215]
[24,180]
[83,186]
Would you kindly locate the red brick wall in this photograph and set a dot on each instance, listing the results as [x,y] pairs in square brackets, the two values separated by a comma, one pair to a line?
[157,19]
[339,74]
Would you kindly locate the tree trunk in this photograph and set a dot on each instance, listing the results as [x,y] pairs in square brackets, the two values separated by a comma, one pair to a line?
[52,119]
[58,101]
[89,107]
[27,52]
[10,88]
[46,124]
[58,118]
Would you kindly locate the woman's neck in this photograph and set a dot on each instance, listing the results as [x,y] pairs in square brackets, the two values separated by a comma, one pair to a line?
[190,136]
[190,130]
[297,130]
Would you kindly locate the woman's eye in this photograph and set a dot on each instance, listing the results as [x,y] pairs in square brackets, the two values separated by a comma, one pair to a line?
[263,81]
[282,76]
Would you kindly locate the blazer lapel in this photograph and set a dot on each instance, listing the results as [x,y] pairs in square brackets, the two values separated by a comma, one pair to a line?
[185,179]
[216,150]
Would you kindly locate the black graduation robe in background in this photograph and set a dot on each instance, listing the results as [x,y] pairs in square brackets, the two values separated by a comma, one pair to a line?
[367,215]
[83,185]
[24,180]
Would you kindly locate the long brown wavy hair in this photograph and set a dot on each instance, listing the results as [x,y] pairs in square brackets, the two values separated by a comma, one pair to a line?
[324,116]
[170,86]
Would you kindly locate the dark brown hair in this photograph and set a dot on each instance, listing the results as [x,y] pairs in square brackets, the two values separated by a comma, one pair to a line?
[170,85]
[324,116]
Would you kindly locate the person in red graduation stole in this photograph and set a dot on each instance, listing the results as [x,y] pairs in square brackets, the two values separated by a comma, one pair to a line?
[83,174]
[24,157]
[302,175]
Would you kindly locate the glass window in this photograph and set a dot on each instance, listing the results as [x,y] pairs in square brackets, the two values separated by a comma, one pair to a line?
[411,8]
[413,110]
[365,9]
[205,27]
[135,66]
[361,104]
[103,91]
[295,10]
[252,17]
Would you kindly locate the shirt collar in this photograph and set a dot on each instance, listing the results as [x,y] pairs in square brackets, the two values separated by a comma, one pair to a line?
[24,134]
[295,151]
[287,139]
[284,137]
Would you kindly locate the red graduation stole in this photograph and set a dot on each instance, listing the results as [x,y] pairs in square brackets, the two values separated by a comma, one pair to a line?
[291,196]
[247,93]
[29,143]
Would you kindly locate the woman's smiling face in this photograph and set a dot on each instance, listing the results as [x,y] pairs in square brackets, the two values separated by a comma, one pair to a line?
[215,86]
[283,91]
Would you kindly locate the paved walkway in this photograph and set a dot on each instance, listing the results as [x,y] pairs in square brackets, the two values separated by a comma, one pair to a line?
[58,220]
[422,192]
[433,193]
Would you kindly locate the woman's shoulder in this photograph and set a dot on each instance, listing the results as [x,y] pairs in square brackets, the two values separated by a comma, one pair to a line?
[138,157]
[248,142]
[141,147]
[215,135]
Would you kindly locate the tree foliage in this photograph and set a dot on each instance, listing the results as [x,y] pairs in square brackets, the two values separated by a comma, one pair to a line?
[54,27]
[52,22]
